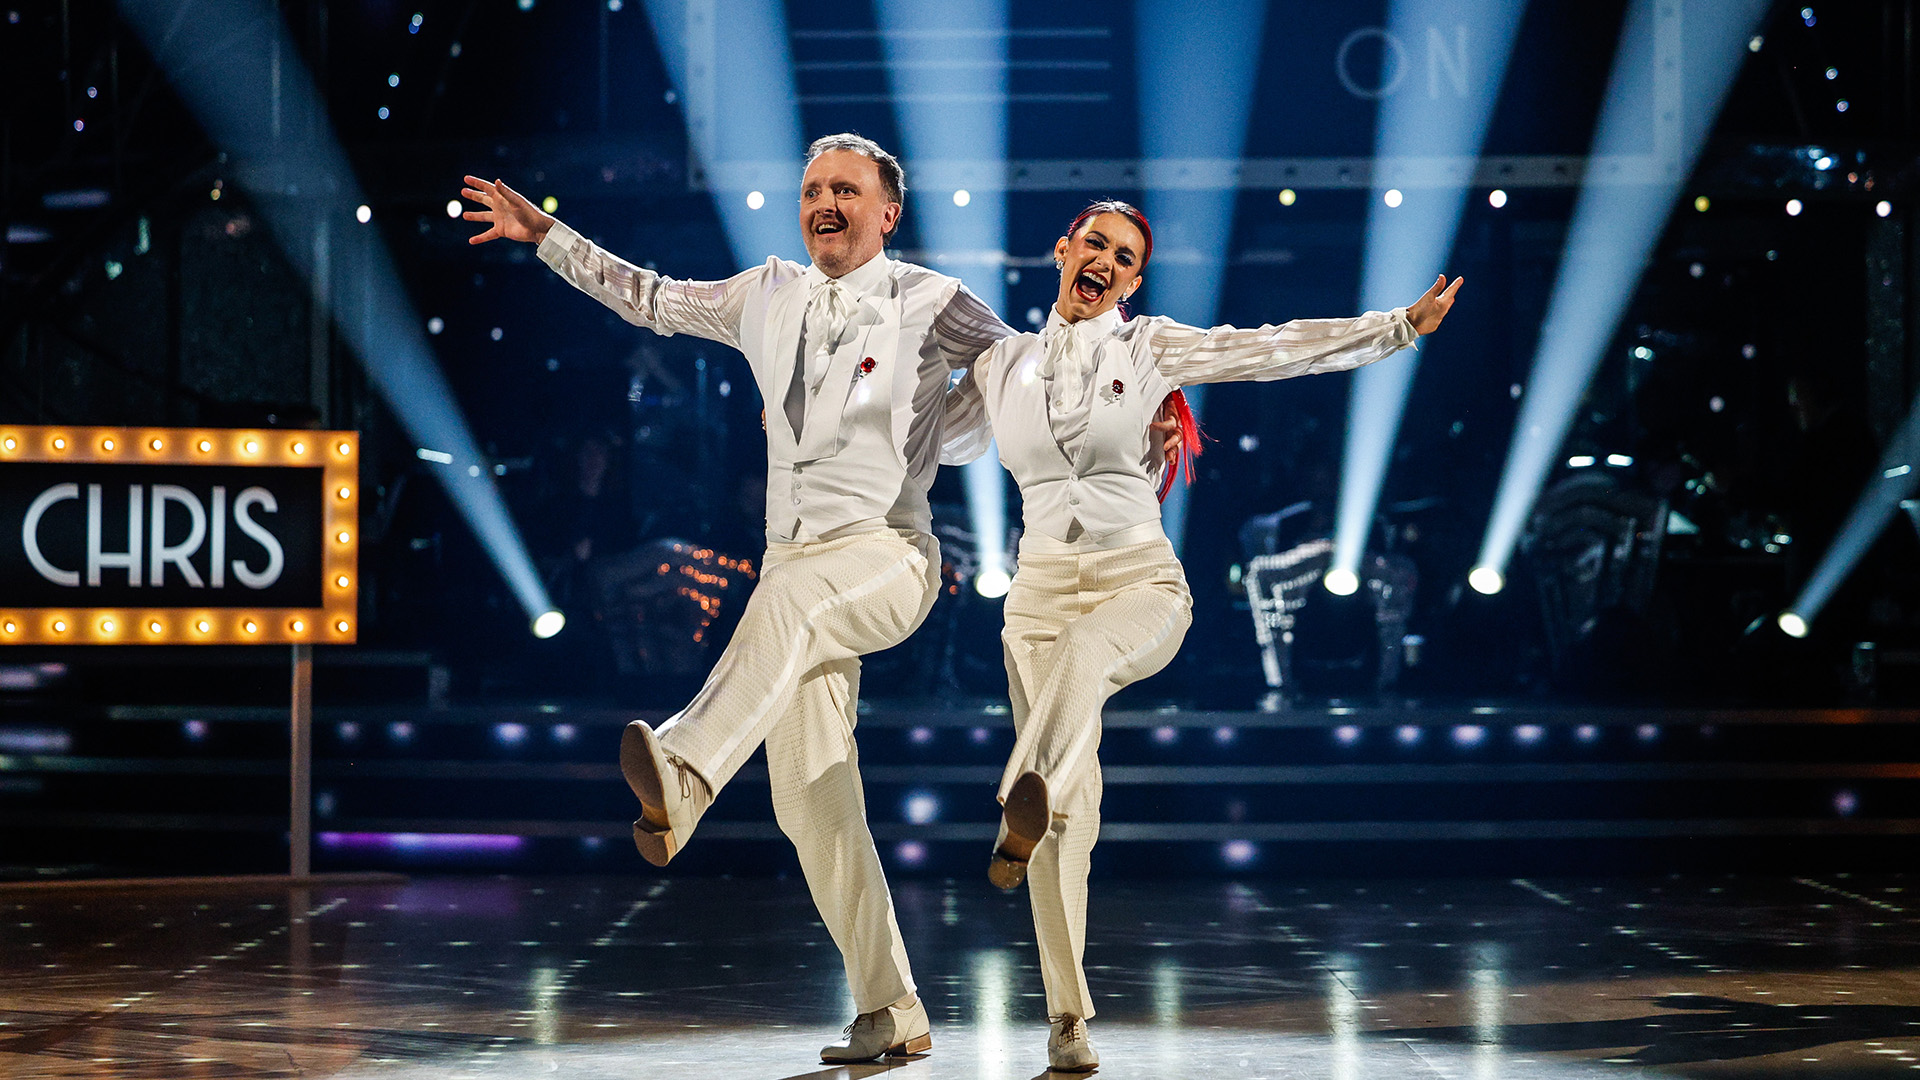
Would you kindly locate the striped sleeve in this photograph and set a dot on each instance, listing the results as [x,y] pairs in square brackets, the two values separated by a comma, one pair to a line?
[1188,355]
[706,309]
[965,327]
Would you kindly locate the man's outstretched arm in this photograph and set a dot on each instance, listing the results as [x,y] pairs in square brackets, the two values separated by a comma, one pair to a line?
[707,309]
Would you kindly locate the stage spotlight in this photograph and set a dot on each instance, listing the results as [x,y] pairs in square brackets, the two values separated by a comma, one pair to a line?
[1615,226]
[947,64]
[742,112]
[1486,580]
[1429,140]
[230,84]
[1197,62]
[1890,485]
[1341,582]
[1792,625]
[992,583]
[548,624]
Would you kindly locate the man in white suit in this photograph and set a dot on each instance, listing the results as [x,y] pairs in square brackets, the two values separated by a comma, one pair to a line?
[853,356]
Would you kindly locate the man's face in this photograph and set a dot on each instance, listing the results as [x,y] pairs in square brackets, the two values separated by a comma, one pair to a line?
[844,211]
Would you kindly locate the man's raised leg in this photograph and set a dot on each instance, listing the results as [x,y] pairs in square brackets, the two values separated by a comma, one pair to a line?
[818,603]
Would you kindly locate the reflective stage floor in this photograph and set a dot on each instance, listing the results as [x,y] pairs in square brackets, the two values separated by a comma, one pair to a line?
[682,978]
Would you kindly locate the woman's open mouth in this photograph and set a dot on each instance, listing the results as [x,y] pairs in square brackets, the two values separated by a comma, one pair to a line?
[1089,289]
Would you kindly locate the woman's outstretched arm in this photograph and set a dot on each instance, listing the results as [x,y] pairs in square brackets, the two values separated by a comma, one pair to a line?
[1188,355]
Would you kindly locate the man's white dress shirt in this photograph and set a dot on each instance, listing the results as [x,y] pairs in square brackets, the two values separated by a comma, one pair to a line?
[1070,405]
[867,361]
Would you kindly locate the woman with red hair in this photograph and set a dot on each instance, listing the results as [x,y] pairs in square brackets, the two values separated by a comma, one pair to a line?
[1099,601]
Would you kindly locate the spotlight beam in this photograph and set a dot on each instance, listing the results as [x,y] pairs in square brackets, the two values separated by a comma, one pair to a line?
[743,116]
[301,187]
[1407,245]
[949,85]
[1892,483]
[1197,60]
[1615,226]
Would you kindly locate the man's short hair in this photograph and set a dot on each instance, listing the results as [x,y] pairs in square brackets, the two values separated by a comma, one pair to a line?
[892,177]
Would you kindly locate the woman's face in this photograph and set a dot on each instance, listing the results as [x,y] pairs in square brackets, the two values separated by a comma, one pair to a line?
[1100,266]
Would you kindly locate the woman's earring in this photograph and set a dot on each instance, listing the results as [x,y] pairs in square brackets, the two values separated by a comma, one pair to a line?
[1059,264]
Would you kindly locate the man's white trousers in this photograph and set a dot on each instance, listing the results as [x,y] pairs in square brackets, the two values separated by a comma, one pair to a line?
[791,678]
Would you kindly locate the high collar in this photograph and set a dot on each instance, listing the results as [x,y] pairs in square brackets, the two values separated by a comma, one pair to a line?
[1101,325]
[862,280]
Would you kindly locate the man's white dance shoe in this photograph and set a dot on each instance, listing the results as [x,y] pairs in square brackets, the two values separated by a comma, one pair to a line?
[672,796]
[1067,1047]
[900,1028]
[1024,820]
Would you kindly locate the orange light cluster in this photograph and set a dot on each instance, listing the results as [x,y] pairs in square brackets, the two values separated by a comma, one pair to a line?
[336,453]
[704,578]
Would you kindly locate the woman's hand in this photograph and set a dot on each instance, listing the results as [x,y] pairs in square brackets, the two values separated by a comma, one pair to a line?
[508,214]
[1168,425]
[1426,313]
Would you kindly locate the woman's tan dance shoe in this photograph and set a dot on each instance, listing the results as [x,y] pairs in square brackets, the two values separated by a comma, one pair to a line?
[1068,1049]
[1024,818]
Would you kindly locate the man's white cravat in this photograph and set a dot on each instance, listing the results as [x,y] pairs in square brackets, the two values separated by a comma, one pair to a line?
[829,307]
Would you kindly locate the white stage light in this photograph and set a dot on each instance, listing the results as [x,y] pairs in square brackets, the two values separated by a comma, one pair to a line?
[548,624]
[1411,240]
[231,99]
[1196,94]
[1342,582]
[1792,625]
[992,584]
[1614,230]
[1486,580]
[950,70]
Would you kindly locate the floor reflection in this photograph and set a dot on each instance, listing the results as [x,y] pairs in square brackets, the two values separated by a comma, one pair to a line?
[690,978]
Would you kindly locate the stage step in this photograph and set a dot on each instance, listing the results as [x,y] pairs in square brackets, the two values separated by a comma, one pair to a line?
[85,790]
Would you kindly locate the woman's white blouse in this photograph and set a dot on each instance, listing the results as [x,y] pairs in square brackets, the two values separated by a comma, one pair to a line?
[1070,405]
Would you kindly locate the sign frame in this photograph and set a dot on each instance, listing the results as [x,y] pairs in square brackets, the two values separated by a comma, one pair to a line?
[336,453]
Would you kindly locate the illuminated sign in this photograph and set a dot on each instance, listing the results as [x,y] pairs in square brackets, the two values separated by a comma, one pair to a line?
[170,536]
